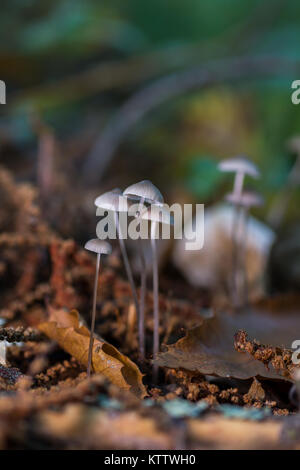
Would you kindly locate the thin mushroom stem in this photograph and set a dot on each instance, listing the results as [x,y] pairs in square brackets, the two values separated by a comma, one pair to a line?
[126,263]
[235,224]
[155,299]
[241,265]
[244,257]
[93,315]
[236,263]
[238,183]
[141,327]
[141,320]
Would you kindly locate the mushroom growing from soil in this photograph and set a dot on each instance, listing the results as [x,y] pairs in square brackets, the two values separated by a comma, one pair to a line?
[145,193]
[157,215]
[241,166]
[244,201]
[101,248]
[116,202]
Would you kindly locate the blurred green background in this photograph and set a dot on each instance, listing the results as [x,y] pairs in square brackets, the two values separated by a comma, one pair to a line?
[69,66]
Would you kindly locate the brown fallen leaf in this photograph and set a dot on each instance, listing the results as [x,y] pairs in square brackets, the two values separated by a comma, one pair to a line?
[280,358]
[73,336]
[209,347]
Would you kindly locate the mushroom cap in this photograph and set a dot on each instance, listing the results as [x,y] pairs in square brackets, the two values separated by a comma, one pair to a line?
[246,199]
[159,214]
[144,190]
[112,201]
[239,165]
[98,246]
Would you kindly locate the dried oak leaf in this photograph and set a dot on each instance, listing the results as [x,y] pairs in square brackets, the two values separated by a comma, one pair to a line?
[209,347]
[70,333]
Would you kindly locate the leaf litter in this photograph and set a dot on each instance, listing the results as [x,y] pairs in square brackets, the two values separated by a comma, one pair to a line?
[46,401]
[71,334]
[209,348]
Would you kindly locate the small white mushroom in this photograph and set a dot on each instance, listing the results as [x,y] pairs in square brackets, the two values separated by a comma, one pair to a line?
[245,201]
[241,166]
[112,201]
[99,247]
[116,202]
[156,214]
[146,192]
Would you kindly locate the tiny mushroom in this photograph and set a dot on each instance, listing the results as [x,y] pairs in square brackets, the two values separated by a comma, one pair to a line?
[145,193]
[101,248]
[241,166]
[245,200]
[116,202]
[157,215]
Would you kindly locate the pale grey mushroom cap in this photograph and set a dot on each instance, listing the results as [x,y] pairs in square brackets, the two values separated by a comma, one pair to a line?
[112,201]
[239,165]
[144,190]
[98,246]
[246,199]
[159,214]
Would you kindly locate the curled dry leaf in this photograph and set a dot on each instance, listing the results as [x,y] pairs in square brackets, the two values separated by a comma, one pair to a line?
[71,334]
[209,347]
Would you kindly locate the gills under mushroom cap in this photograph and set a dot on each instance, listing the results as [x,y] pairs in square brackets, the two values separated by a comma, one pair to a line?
[98,246]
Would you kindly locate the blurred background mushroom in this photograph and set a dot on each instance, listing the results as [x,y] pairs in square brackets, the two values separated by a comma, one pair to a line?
[241,166]
[244,201]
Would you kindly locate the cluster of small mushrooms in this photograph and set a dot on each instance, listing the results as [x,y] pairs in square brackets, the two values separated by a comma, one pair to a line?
[148,198]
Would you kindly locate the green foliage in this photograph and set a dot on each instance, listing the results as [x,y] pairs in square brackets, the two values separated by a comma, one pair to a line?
[203,177]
